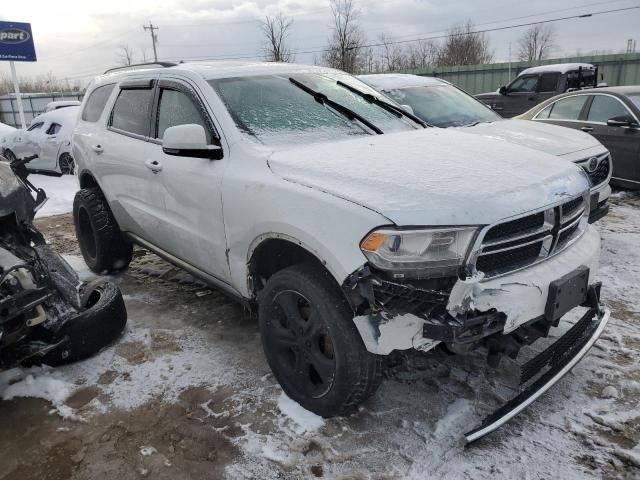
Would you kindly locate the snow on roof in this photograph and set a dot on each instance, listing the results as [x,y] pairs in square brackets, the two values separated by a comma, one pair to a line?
[393,81]
[558,67]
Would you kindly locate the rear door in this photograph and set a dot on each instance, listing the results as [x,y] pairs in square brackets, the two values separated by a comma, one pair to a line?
[49,146]
[623,143]
[548,86]
[194,229]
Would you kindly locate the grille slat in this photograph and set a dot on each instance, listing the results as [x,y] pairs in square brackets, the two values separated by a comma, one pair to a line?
[515,244]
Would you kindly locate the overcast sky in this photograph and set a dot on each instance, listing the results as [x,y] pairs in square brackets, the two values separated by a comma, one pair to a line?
[77,39]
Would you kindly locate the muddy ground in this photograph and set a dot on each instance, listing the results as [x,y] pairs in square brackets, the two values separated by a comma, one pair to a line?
[186,393]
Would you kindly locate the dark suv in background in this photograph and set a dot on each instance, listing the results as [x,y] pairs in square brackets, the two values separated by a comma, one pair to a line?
[537,84]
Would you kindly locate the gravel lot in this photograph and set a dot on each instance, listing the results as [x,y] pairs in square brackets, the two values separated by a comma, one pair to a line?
[186,393]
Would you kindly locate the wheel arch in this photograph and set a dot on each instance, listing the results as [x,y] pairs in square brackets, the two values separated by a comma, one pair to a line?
[272,252]
[87,180]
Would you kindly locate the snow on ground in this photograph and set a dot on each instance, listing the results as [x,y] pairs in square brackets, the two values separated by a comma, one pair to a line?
[60,191]
[181,345]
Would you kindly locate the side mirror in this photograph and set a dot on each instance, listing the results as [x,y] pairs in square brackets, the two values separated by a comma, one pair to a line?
[624,121]
[189,140]
[502,90]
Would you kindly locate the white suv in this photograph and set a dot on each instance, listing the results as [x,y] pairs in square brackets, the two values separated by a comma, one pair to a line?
[353,230]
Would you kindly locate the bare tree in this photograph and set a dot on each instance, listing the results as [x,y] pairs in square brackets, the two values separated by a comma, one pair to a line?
[464,46]
[536,43]
[347,38]
[392,56]
[275,30]
[125,55]
[421,54]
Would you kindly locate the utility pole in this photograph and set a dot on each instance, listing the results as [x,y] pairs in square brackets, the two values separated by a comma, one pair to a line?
[154,39]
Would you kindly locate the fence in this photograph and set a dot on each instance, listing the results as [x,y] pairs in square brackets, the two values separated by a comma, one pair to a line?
[33,104]
[618,69]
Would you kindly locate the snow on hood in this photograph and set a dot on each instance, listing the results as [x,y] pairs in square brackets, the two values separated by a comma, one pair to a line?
[433,176]
[537,135]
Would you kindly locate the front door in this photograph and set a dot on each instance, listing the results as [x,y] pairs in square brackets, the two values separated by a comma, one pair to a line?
[195,230]
[122,153]
[623,143]
[521,95]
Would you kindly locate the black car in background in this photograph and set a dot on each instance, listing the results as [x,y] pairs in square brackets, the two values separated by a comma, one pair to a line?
[609,114]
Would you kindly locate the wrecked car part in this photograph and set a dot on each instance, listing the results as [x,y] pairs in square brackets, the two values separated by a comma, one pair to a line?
[546,369]
[43,317]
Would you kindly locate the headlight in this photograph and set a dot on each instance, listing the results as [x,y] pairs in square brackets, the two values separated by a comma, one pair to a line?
[426,253]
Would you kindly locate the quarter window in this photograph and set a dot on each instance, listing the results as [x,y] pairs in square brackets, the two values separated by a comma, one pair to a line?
[96,102]
[131,111]
[176,108]
[603,108]
[567,108]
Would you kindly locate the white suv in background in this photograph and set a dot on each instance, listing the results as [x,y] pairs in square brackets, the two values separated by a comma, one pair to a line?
[352,229]
[442,104]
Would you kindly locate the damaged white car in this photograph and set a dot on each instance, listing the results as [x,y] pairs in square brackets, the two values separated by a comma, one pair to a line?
[351,228]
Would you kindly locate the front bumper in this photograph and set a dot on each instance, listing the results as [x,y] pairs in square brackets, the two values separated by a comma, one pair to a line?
[599,202]
[548,367]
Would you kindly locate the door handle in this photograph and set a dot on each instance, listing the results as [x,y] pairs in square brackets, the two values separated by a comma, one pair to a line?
[153,165]
[97,148]
[587,129]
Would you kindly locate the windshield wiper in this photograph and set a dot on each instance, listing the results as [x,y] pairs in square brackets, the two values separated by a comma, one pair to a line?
[345,111]
[397,111]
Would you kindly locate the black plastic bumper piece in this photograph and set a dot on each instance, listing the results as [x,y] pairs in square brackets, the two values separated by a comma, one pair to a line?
[600,211]
[552,364]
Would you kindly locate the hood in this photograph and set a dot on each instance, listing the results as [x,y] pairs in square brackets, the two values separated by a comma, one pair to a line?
[433,176]
[547,138]
[488,96]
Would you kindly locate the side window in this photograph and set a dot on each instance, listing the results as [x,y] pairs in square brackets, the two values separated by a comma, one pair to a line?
[603,108]
[567,108]
[53,129]
[548,82]
[132,110]
[35,126]
[176,108]
[544,114]
[527,83]
[96,102]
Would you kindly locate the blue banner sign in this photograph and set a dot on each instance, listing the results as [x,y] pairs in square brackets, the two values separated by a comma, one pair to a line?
[16,42]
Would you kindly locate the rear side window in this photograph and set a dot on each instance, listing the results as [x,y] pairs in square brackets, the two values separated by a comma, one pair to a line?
[96,102]
[603,108]
[567,108]
[132,110]
[548,82]
[53,129]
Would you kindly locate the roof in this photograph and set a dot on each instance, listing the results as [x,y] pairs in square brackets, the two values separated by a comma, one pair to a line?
[625,90]
[229,69]
[60,115]
[392,81]
[558,67]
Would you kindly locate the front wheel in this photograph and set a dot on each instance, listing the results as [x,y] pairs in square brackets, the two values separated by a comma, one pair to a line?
[312,344]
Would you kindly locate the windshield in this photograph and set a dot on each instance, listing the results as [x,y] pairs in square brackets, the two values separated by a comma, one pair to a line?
[443,105]
[273,110]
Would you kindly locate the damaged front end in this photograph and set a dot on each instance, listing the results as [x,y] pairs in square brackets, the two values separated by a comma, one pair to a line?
[516,282]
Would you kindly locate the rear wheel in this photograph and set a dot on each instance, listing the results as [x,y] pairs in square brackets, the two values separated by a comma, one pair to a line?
[312,344]
[102,244]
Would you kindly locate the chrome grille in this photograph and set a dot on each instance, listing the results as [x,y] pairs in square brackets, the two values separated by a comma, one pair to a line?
[598,173]
[518,243]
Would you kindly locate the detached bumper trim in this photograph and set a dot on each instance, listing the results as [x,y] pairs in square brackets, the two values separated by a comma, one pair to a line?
[544,383]
[599,212]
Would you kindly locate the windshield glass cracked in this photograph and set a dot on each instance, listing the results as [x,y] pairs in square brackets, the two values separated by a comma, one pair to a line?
[274,110]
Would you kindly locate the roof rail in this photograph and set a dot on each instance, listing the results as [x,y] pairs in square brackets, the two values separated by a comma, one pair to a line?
[133,66]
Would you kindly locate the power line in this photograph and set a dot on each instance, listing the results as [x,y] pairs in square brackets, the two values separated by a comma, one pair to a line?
[396,42]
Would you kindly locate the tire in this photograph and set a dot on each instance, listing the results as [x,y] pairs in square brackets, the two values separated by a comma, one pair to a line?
[312,345]
[92,329]
[102,244]
[67,165]
[9,155]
